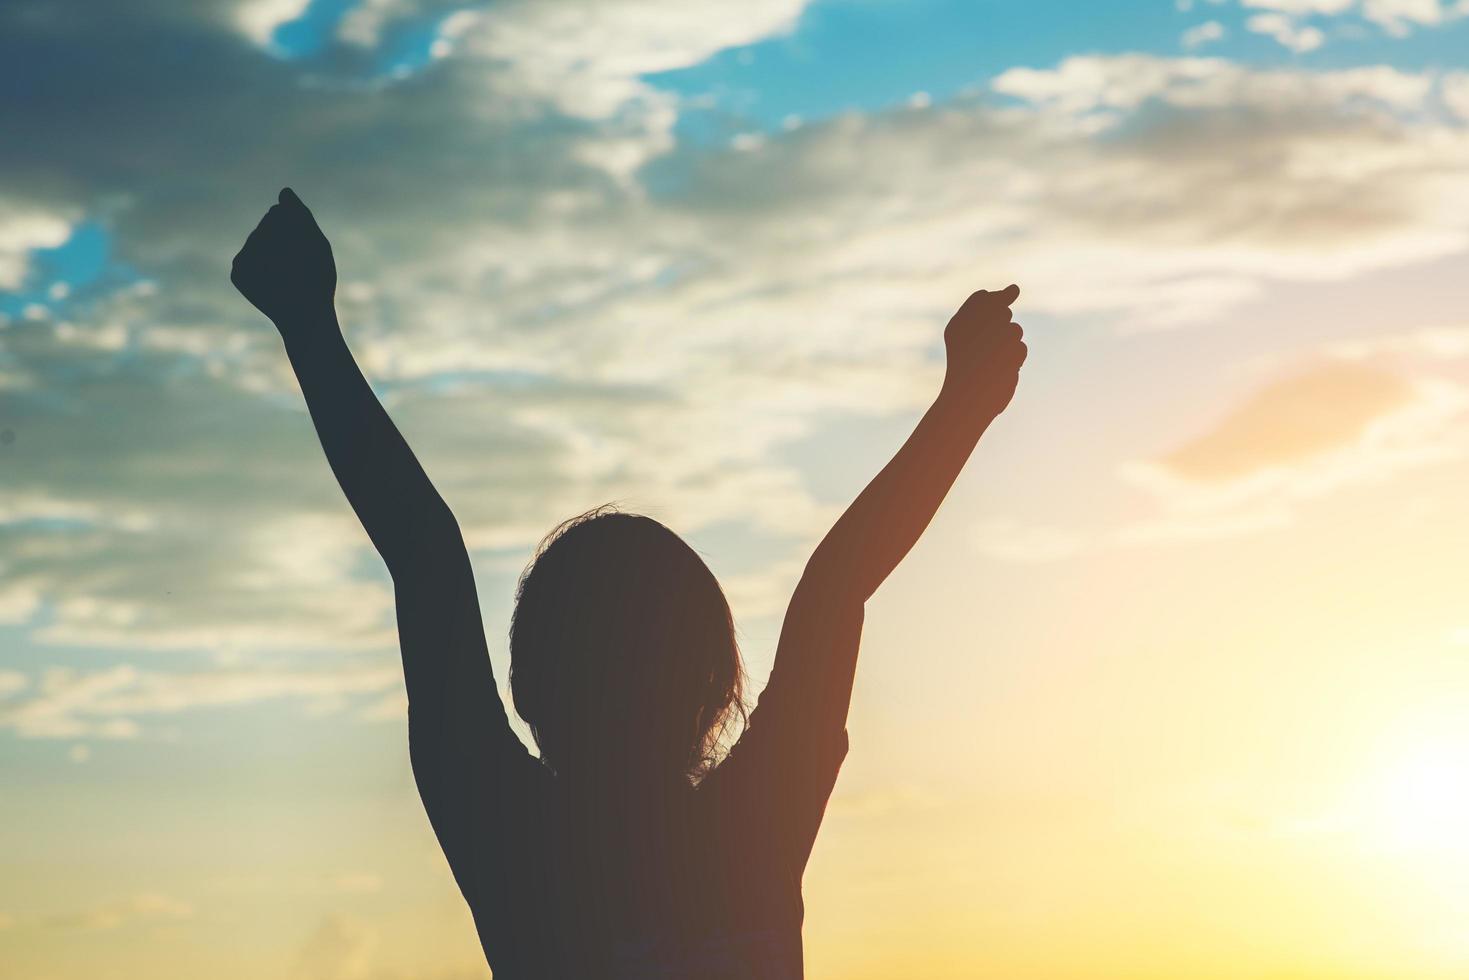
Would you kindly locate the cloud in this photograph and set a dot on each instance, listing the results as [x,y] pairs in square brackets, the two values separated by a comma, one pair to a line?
[162,512]
[258,19]
[900,800]
[1337,422]
[588,58]
[1301,8]
[1206,33]
[1088,83]
[24,228]
[392,706]
[1296,439]
[1200,223]
[11,681]
[1455,91]
[111,703]
[1011,540]
[312,884]
[1396,17]
[1291,420]
[1287,32]
[340,948]
[361,882]
[144,908]
[1443,342]
[343,947]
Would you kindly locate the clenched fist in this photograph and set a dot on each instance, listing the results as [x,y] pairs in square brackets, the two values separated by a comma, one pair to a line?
[285,267]
[984,350]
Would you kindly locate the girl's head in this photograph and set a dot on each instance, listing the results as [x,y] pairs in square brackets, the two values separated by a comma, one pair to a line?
[622,650]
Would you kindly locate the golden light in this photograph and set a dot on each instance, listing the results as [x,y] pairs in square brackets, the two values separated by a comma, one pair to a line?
[1422,800]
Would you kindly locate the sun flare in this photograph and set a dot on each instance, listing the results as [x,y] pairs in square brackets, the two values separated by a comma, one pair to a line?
[1423,801]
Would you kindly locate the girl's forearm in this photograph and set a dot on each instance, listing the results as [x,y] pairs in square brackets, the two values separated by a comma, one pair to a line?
[881,526]
[382,479]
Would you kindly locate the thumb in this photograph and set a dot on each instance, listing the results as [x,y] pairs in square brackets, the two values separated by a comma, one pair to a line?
[1009,294]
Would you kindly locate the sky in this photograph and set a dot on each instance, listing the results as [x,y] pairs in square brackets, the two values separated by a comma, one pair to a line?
[1176,685]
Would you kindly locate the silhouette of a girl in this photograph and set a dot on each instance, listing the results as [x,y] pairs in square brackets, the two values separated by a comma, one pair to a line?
[622,852]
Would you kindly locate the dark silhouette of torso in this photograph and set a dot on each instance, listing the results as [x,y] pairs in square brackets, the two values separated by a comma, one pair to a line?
[633,883]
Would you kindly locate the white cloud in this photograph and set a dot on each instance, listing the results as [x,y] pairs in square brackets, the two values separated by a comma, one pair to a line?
[588,56]
[109,703]
[144,908]
[1287,32]
[899,800]
[1300,438]
[1301,8]
[1396,17]
[392,706]
[314,883]
[344,947]
[1455,91]
[1010,540]
[588,59]
[340,948]
[1435,343]
[1091,83]
[1342,422]
[258,19]
[765,591]
[1206,33]
[24,228]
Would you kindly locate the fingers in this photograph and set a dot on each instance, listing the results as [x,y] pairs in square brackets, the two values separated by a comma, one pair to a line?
[1002,300]
[286,213]
[1014,336]
[291,202]
[998,300]
[247,260]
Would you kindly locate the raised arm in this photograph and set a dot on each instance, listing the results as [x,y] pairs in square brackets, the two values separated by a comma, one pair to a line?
[459,737]
[817,654]
[796,738]
[881,526]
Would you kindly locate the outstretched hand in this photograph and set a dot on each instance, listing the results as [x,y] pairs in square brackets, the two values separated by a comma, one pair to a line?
[285,267]
[985,351]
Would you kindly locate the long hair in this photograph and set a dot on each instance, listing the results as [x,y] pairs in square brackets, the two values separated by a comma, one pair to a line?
[622,650]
